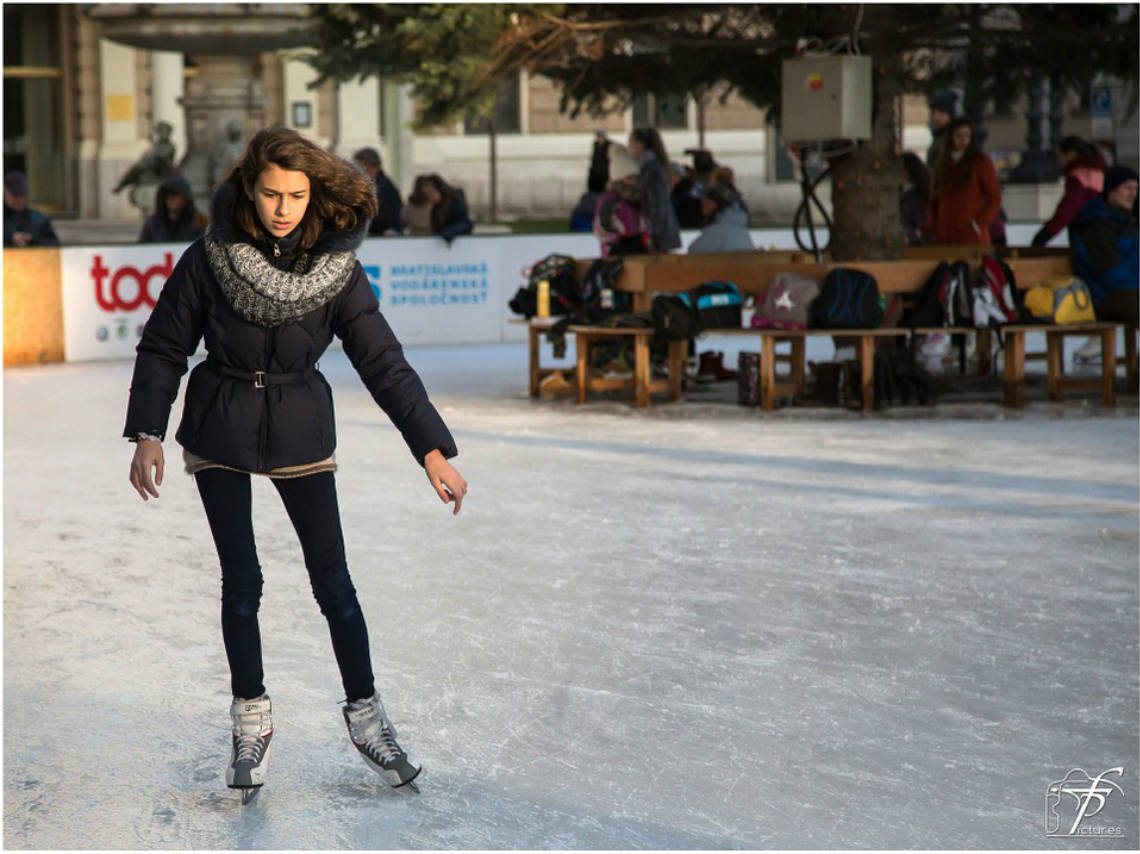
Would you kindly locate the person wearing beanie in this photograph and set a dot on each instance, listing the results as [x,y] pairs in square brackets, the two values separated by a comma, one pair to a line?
[1106,246]
[726,217]
[23,225]
[943,109]
[1084,181]
[620,223]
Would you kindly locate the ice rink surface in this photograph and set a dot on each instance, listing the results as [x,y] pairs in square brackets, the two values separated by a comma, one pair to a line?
[695,626]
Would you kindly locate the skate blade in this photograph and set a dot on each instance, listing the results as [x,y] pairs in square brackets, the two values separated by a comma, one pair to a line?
[249,794]
[411,784]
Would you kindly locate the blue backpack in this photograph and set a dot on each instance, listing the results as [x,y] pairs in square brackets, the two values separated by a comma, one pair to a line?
[718,305]
[848,299]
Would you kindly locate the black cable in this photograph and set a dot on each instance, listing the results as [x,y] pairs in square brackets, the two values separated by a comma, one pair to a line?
[807,186]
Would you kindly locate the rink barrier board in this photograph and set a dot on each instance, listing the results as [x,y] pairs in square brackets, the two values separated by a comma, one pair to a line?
[84,303]
[33,306]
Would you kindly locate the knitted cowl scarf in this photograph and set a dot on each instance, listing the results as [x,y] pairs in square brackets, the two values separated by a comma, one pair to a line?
[267,295]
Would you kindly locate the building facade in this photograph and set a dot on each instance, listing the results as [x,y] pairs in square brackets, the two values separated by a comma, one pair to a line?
[80,109]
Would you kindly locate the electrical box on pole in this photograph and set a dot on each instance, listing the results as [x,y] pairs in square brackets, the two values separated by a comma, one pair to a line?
[826,98]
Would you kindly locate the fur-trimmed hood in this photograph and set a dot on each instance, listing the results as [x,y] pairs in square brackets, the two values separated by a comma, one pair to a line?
[225,226]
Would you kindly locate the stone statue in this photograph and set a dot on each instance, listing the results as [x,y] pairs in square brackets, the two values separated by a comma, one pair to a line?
[226,150]
[151,169]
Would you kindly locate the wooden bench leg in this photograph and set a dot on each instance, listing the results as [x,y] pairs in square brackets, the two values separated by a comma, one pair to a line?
[582,344]
[867,371]
[985,349]
[1014,369]
[1131,369]
[678,350]
[1108,364]
[798,351]
[532,340]
[767,372]
[1054,359]
[641,370]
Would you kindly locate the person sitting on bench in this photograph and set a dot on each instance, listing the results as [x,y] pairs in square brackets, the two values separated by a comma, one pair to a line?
[1105,252]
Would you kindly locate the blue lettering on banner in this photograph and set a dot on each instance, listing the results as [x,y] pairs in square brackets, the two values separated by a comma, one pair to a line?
[372,271]
[436,284]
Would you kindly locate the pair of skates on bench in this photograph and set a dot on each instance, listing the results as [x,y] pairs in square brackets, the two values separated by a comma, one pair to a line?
[369,727]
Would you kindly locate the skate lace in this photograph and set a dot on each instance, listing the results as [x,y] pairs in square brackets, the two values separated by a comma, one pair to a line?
[247,731]
[378,737]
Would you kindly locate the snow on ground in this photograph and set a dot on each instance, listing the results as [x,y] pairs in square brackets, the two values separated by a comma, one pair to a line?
[696,626]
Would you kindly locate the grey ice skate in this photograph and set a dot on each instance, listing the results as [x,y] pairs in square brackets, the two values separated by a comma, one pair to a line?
[373,734]
[252,732]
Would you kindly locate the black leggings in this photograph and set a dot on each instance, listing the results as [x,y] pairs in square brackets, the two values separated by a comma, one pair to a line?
[311,504]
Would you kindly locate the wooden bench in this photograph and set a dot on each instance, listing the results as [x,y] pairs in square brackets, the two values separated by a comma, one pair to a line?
[535,327]
[774,386]
[645,275]
[1056,381]
[642,381]
[585,379]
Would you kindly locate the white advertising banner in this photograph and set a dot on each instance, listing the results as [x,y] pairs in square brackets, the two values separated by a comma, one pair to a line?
[108,293]
[432,293]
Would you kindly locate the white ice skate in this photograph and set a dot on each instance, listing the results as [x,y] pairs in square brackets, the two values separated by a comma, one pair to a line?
[1089,353]
[373,734]
[252,732]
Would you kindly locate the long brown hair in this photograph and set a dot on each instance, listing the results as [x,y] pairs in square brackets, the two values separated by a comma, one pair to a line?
[339,195]
[651,139]
[945,167]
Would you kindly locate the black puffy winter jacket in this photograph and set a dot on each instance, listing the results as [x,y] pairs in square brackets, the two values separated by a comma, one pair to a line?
[257,403]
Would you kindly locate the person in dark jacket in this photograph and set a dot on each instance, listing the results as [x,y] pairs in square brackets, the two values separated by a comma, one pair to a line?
[23,225]
[1084,180]
[943,109]
[274,278]
[389,215]
[599,177]
[914,195]
[1106,249]
[435,207]
[655,186]
[175,218]
[582,217]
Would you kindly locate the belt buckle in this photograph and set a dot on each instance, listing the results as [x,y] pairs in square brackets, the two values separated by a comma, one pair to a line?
[259,379]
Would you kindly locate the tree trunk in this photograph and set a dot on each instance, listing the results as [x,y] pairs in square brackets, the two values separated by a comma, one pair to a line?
[865,185]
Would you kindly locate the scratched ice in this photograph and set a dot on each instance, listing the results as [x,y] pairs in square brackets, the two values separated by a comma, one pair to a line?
[689,627]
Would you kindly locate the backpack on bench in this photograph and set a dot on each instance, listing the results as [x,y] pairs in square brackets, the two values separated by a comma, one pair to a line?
[849,299]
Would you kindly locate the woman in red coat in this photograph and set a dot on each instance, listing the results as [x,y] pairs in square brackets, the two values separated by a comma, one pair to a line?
[965,196]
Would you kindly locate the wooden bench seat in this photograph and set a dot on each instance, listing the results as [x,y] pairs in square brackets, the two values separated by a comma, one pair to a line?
[642,381]
[1056,381]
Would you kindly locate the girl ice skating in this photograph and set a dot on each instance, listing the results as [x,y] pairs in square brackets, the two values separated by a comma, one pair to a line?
[270,283]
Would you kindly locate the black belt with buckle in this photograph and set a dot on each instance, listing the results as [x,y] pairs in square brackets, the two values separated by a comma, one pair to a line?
[260,379]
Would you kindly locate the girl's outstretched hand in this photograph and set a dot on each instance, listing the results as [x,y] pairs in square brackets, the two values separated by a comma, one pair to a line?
[447,482]
[148,455]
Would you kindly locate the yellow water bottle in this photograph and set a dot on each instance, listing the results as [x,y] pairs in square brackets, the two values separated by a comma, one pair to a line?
[544,298]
